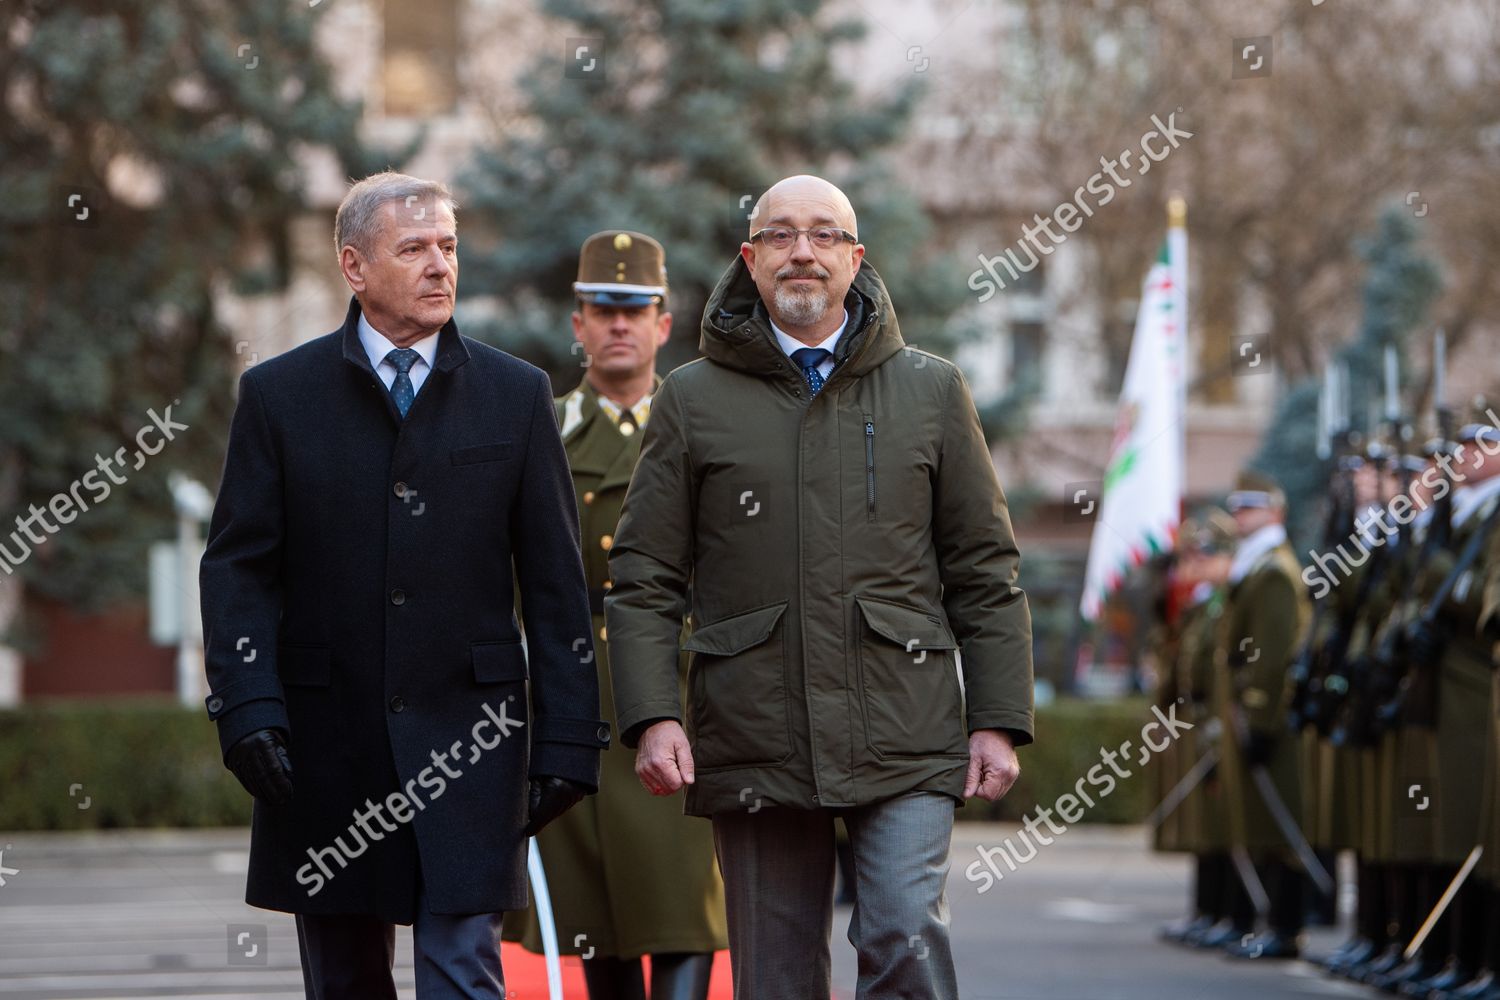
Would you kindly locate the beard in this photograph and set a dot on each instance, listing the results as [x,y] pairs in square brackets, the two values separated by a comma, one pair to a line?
[799,306]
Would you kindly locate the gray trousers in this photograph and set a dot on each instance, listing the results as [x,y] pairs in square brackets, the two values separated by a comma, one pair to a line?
[350,957]
[778,867]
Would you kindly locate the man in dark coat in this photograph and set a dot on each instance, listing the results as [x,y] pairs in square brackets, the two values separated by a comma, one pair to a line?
[388,488]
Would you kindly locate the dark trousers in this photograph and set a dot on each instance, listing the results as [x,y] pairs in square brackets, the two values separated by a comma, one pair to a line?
[350,957]
[778,867]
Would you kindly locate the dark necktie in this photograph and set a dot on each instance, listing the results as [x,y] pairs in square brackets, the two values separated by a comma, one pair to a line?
[808,359]
[401,389]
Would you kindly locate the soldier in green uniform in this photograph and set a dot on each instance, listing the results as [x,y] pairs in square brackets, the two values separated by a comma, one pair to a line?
[1205,547]
[1350,739]
[1448,698]
[1265,616]
[629,874]
[1393,837]
[1353,489]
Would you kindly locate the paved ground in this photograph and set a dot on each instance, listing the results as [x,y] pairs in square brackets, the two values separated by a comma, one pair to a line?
[157,915]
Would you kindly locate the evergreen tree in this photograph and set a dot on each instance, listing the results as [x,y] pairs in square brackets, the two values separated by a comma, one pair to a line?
[691,111]
[1401,284]
[148,151]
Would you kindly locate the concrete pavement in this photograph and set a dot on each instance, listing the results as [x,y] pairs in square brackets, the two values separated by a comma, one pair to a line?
[159,914]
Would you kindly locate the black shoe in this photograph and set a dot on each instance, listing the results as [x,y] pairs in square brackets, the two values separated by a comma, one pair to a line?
[1476,988]
[1450,977]
[1351,952]
[1380,965]
[1194,937]
[1220,934]
[1185,930]
[1267,946]
[1419,967]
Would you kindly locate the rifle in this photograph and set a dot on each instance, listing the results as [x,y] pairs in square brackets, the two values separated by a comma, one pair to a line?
[1348,682]
[1343,681]
[1378,675]
[1384,670]
[1310,668]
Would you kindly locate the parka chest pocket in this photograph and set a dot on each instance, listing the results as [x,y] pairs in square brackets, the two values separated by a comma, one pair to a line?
[738,714]
[908,680]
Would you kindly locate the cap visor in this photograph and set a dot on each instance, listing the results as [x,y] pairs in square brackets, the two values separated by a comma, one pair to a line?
[619,298]
[1246,499]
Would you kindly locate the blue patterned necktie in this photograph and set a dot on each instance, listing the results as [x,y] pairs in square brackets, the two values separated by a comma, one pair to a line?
[401,389]
[808,359]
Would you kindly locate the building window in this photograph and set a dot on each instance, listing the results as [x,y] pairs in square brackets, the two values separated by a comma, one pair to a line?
[1031,273]
[1116,336]
[420,57]
[1027,341]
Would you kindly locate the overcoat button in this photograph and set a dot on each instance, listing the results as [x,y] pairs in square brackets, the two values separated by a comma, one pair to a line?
[399,489]
[214,704]
[607,542]
[603,734]
[588,496]
[398,704]
[398,596]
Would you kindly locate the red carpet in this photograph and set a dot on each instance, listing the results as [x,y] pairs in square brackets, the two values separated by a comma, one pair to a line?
[526,975]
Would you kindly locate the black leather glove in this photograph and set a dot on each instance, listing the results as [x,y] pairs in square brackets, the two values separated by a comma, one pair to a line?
[261,763]
[1259,747]
[550,798]
[1424,643]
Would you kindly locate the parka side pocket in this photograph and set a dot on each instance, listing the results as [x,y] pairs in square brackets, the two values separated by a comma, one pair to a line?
[738,714]
[908,678]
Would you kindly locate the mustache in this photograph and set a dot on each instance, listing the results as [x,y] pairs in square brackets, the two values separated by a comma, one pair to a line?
[801,271]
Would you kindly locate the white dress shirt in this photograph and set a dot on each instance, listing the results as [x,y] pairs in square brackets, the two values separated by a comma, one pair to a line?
[377,347]
[788,344]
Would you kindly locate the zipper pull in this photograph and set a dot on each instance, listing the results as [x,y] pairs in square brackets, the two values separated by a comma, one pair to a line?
[869,428]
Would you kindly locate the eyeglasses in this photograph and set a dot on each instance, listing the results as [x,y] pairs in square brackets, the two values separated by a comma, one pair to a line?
[822,237]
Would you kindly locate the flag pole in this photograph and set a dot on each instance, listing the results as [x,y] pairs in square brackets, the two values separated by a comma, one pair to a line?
[1177,244]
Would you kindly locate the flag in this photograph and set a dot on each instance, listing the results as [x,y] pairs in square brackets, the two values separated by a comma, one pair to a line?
[1140,504]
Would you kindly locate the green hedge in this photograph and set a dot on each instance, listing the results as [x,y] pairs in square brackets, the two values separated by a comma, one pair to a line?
[141,764]
[1069,735]
[154,764]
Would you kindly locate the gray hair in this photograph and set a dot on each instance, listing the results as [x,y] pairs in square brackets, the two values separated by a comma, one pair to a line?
[358,220]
